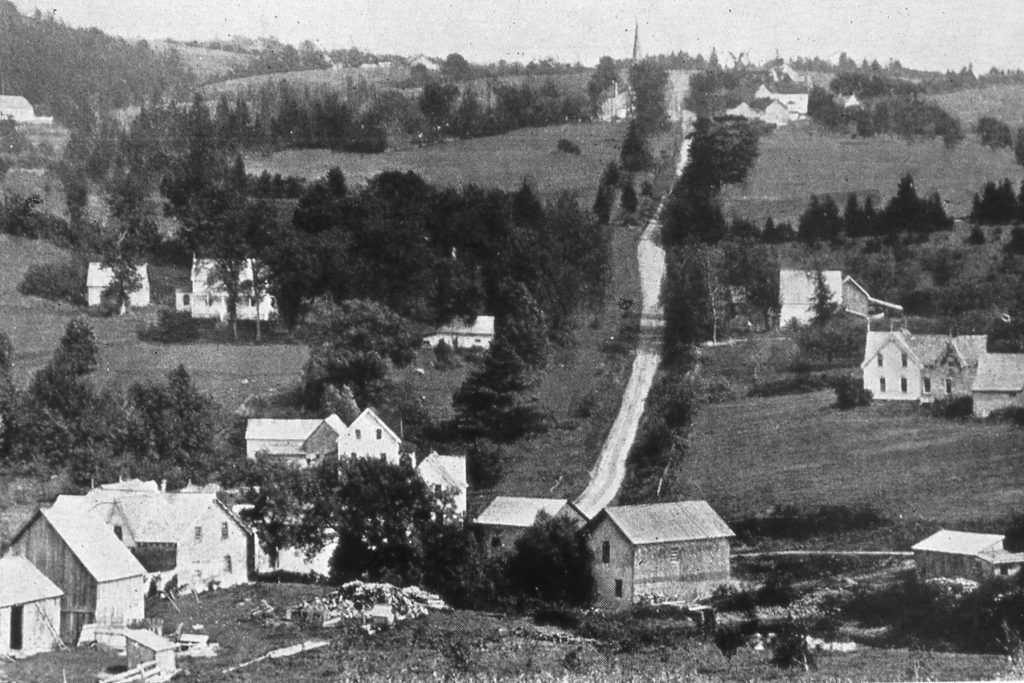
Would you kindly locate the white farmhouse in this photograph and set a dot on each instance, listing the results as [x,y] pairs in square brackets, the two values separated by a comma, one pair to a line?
[369,437]
[99,277]
[900,366]
[208,298]
[465,333]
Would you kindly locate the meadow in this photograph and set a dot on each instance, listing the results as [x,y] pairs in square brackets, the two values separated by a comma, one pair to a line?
[748,456]
[1004,102]
[800,160]
[501,161]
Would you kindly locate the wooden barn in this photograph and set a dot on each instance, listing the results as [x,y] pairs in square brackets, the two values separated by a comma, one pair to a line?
[102,581]
[665,551]
[506,518]
[29,608]
[964,555]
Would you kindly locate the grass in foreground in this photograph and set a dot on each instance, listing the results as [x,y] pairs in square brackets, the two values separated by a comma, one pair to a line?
[747,456]
[798,161]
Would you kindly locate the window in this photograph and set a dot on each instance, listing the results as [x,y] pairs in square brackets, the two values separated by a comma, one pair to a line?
[879,357]
[903,384]
[186,300]
[198,533]
[380,434]
[496,541]
[606,552]
[437,489]
[383,457]
[1005,571]
[359,434]
[227,564]
[881,384]
[674,555]
[949,386]
[903,360]
[926,384]
[618,588]
[118,531]
[224,530]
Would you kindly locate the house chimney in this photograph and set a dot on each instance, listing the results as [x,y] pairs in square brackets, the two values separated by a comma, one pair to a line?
[163,485]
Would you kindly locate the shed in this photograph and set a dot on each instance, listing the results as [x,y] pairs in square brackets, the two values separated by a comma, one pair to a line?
[29,608]
[999,383]
[102,581]
[956,555]
[663,551]
[142,645]
[99,277]
[507,517]
[465,333]
[278,437]
[446,473]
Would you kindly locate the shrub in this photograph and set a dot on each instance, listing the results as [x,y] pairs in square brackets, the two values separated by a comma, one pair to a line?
[977,236]
[60,281]
[567,146]
[791,647]
[172,327]
[791,522]
[953,407]
[797,383]
[628,197]
[778,591]
[850,392]
[1013,414]
[646,189]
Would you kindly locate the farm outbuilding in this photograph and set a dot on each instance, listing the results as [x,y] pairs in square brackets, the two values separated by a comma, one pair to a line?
[29,608]
[999,383]
[142,646]
[965,555]
[102,581]
[99,278]
[664,551]
[506,518]
[465,333]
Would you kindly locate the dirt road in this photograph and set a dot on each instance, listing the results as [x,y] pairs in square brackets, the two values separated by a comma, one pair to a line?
[610,470]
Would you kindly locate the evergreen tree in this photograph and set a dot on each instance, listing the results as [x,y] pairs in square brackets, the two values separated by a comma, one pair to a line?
[628,198]
[635,155]
[824,306]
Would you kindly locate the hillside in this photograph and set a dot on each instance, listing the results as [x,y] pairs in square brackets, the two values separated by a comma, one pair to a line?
[1004,102]
[206,63]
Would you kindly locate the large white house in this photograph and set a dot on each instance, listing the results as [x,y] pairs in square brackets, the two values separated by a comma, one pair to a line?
[302,441]
[369,437]
[98,280]
[900,366]
[208,298]
[21,110]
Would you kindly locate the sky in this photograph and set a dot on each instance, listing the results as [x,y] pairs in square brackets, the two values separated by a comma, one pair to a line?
[928,34]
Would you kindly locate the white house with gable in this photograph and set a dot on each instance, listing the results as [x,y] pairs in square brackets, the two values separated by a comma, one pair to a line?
[900,366]
[208,297]
[99,277]
[21,110]
[446,473]
[369,437]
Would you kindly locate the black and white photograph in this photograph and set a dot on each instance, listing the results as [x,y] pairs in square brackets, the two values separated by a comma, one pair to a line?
[466,340]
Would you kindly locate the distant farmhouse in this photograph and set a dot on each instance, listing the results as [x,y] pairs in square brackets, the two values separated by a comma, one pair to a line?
[900,366]
[99,278]
[507,518]
[779,109]
[208,298]
[446,473]
[999,383]
[19,109]
[797,296]
[302,441]
[464,333]
[29,608]
[102,581]
[675,551]
[965,555]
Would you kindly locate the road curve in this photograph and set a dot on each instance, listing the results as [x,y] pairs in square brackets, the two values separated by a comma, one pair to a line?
[610,470]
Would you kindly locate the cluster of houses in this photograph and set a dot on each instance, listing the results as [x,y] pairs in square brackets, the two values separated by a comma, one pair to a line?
[779,109]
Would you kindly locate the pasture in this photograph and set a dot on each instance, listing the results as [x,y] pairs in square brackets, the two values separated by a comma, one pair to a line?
[1004,102]
[798,161]
[747,456]
[499,161]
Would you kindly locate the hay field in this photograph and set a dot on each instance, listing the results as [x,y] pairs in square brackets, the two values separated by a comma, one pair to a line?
[1004,102]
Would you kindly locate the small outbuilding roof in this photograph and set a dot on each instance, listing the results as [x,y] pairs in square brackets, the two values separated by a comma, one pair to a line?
[1000,372]
[481,325]
[282,430]
[519,512]
[959,542]
[21,582]
[686,520]
[91,541]
[447,470]
[14,102]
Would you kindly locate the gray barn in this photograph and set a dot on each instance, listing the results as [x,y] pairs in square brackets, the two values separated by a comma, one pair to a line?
[665,551]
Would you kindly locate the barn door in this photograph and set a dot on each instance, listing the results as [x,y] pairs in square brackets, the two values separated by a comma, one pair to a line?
[17,626]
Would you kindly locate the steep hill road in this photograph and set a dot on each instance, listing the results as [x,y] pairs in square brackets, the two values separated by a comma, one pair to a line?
[610,470]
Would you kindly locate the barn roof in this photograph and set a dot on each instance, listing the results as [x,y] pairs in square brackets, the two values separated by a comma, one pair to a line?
[284,430]
[14,102]
[92,542]
[482,325]
[156,516]
[1000,372]
[101,276]
[447,470]
[958,542]
[519,512]
[21,582]
[686,520]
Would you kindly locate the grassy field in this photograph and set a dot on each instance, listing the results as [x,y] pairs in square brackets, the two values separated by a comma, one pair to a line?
[1004,102]
[499,161]
[206,63]
[746,457]
[798,161]
[464,646]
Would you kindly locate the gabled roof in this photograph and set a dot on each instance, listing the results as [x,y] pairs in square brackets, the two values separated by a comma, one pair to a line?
[21,582]
[928,349]
[371,414]
[687,520]
[203,272]
[148,639]
[482,325]
[447,470]
[1000,372]
[91,541]
[14,102]
[797,286]
[279,429]
[324,439]
[100,276]
[519,512]
[959,542]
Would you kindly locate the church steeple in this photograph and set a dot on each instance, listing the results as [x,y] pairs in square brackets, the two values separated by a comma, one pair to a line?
[636,42]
